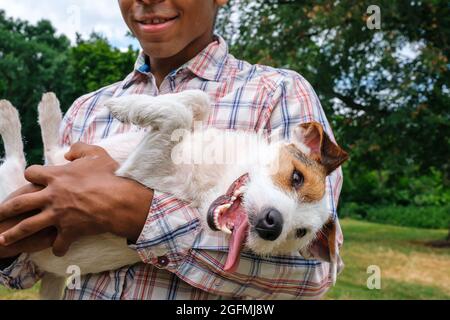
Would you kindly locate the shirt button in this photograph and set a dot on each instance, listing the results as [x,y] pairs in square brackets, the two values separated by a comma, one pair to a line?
[163,261]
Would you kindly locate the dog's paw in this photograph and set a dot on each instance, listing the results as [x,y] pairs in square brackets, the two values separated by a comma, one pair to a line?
[49,109]
[197,101]
[119,109]
[9,116]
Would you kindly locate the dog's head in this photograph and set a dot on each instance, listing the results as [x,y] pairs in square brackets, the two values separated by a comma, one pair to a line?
[282,210]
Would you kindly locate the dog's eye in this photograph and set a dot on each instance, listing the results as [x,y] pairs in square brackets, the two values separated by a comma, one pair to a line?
[300,233]
[297,179]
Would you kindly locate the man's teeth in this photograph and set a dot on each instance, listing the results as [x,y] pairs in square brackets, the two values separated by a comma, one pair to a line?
[156,21]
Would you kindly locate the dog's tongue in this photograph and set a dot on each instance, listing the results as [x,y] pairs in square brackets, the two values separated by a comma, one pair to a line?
[237,240]
[231,217]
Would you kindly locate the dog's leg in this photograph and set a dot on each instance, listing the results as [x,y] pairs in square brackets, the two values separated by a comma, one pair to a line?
[11,170]
[145,111]
[52,287]
[10,130]
[197,101]
[50,118]
[163,113]
[168,116]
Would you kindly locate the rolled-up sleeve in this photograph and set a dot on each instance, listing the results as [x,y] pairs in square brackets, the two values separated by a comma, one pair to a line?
[169,232]
[20,274]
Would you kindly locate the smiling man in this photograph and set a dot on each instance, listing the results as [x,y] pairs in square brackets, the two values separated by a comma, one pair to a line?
[180,260]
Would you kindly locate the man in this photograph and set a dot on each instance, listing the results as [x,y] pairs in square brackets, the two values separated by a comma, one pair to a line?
[179,259]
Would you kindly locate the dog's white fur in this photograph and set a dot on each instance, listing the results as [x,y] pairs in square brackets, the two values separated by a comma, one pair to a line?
[11,171]
[147,158]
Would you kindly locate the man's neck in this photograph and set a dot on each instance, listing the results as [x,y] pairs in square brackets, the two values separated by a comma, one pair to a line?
[161,67]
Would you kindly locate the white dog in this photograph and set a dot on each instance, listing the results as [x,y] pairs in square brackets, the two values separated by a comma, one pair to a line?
[270,197]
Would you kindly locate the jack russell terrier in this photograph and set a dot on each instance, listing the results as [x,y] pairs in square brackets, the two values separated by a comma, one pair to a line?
[270,198]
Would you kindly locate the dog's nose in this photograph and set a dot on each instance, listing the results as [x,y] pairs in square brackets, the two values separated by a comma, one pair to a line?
[270,224]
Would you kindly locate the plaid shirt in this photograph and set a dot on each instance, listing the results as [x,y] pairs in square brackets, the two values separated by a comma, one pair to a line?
[180,259]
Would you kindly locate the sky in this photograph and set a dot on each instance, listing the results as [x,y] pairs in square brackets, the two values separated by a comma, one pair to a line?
[72,16]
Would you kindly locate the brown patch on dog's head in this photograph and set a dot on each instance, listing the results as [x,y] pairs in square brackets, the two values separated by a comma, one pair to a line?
[323,150]
[324,157]
[291,161]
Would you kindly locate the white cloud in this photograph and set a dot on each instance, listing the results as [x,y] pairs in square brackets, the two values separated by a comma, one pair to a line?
[72,16]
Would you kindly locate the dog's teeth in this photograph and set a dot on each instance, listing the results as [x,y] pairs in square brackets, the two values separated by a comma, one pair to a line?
[233,198]
[223,207]
[226,230]
[216,221]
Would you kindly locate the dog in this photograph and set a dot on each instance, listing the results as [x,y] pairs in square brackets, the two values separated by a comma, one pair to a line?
[270,202]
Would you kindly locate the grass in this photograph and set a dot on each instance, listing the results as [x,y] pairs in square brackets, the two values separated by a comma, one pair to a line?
[409,268]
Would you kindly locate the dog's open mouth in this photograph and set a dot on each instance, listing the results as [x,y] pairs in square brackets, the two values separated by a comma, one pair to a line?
[227,214]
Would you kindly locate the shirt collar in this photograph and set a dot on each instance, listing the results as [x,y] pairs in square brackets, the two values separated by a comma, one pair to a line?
[208,64]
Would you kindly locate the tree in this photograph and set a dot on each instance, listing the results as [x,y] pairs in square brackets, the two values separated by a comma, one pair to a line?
[94,63]
[386,91]
[34,60]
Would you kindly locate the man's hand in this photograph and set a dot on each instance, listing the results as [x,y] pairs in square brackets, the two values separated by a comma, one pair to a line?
[37,242]
[79,199]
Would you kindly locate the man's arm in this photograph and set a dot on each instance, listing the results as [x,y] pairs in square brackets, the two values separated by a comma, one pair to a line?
[16,270]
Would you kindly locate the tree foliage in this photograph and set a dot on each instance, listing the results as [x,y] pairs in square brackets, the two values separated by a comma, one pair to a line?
[385,91]
[34,59]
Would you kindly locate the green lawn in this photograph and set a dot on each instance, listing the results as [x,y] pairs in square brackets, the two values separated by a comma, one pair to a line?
[409,268]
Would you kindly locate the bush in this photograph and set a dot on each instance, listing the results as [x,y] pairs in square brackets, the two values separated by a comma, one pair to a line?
[386,188]
[436,217]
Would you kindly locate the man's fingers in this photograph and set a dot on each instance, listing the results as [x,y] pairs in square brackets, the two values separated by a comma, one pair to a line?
[38,242]
[39,174]
[61,245]
[81,150]
[26,228]
[29,188]
[77,151]
[22,204]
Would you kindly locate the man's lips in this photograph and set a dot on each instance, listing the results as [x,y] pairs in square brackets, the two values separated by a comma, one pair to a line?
[155,23]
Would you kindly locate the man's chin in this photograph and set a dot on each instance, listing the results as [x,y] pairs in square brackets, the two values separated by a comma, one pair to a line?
[160,48]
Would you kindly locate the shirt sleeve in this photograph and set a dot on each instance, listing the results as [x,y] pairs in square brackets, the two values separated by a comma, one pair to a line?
[20,274]
[174,239]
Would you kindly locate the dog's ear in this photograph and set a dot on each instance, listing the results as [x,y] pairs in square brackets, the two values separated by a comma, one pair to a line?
[322,149]
[325,247]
